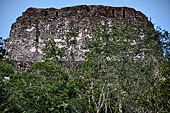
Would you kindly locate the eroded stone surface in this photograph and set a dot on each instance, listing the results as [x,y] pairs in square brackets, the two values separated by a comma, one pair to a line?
[30,31]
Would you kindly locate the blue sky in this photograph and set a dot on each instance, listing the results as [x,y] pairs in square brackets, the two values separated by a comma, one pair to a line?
[157,10]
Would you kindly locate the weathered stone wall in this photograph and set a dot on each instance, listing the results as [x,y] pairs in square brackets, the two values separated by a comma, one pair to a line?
[30,31]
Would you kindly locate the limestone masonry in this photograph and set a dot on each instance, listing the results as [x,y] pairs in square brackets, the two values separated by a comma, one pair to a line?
[30,31]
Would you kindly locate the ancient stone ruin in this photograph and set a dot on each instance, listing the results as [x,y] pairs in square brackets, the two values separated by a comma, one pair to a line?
[36,25]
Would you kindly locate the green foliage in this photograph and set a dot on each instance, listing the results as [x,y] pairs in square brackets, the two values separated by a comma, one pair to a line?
[165,40]
[47,89]
[121,73]
[2,50]
[60,54]
[157,98]
[6,71]
[47,69]
[112,76]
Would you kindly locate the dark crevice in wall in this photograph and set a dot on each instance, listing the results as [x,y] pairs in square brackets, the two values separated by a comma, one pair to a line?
[45,13]
[124,14]
[57,13]
[113,12]
[37,33]
[37,36]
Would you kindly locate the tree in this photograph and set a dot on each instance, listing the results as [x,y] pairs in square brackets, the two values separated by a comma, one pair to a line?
[6,70]
[2,50]
[118,74]
[118,67]
[165,40]
[157,97]
[48,91]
